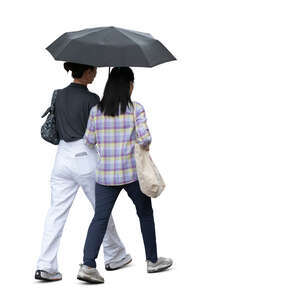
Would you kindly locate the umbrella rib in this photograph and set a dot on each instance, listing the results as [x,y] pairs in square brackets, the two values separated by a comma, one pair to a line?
[75,39]
[139,33]
[137,45]
[93,30]
[64,48]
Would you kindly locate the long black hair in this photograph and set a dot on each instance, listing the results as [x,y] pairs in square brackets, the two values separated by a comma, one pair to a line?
[117,92]
[77,69]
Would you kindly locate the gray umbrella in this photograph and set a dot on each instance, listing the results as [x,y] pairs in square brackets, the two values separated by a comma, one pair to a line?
[110,47]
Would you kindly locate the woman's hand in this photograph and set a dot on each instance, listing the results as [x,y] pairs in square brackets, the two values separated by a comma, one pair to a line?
[146,147]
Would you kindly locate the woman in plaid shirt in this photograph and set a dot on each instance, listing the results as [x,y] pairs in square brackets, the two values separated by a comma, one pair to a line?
[112,131]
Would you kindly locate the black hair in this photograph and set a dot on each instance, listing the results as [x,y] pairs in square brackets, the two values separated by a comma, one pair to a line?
[117,92]
[77,69]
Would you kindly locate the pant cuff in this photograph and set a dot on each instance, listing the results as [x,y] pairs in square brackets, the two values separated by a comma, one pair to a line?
[152,259]
[90,263]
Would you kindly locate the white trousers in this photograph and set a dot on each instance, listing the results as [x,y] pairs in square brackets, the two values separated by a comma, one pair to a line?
[74,167]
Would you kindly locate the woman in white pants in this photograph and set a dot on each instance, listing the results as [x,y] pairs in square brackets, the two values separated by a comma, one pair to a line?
[74,167]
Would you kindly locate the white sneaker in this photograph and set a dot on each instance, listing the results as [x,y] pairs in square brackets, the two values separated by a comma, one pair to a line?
[161,264]
[90,275]
[47,276]
[119,264]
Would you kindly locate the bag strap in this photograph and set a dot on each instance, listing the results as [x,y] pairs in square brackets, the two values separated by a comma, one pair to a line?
[134,117]
[51,109]
[134,114]
[53,100]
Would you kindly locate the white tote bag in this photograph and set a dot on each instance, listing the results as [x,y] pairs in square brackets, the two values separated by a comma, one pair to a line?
[150,180]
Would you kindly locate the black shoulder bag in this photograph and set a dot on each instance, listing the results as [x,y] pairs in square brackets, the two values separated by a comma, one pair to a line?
[48,130]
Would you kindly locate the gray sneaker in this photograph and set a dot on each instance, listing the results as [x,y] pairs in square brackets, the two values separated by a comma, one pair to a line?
[119,264]
[47,276]
[90,275]
[161,264]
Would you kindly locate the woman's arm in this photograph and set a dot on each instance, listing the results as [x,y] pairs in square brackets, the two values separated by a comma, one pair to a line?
[90,133]
[143,135]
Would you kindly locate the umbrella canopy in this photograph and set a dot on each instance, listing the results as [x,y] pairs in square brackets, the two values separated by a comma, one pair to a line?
[110,47]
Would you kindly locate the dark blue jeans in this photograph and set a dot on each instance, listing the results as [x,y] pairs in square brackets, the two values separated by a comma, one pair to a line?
[106,197]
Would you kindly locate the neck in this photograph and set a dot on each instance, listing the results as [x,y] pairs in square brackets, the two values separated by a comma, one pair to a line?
[80,81]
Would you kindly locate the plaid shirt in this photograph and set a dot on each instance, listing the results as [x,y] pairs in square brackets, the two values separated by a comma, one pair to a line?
[115,138]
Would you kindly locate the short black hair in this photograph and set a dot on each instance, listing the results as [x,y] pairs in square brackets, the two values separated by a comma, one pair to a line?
[77,69]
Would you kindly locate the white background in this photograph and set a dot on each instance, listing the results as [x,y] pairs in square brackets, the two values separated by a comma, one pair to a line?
[225,125]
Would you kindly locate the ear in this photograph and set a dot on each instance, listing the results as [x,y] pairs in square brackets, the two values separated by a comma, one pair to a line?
[90,72]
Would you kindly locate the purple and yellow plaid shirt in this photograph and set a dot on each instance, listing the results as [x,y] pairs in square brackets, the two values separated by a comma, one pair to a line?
[115,138]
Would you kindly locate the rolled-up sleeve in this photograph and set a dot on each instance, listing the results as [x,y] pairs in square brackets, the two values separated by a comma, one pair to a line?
[143,135]
[90,133]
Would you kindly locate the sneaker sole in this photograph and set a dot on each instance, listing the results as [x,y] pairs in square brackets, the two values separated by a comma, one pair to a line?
[39,277]
[86,279]
[113,269]
[160,270]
